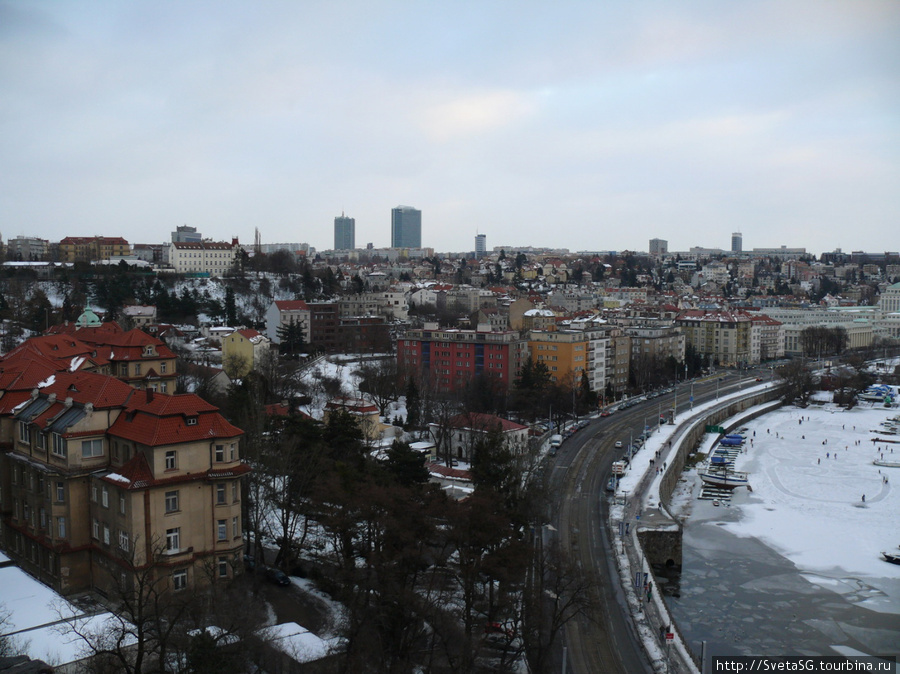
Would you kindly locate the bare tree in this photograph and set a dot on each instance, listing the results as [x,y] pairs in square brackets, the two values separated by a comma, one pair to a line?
[381,380]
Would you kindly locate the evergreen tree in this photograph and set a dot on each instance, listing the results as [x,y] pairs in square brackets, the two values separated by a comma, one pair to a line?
[413,404]
[406,464]
[230,307]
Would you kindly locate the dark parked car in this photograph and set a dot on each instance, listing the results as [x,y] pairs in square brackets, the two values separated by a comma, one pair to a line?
[277,576]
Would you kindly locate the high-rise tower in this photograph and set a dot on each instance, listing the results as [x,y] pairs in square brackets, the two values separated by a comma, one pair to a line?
[480,245]
[737,242]
[406,227]
[344,233]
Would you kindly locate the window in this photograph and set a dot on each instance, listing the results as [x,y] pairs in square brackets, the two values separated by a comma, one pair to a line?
[24,432]
[173,540]
[235,526]
[105,534]
[170,459]
[123,370]
[191,421]
[60,492]
[223,567]
[220,453]
[162,367]
[91,448]
[220,494]
[234,491]
[42,441]
[59,445]
[122,503]
[61,527]
[222,530]
[104,496]
[124,541]
[163,387]
[95,529]
[171,501]
[233,451]
[179,579]
[43,514]
[137,368]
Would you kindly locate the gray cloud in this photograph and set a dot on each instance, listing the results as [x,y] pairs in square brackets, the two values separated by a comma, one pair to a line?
[585,125]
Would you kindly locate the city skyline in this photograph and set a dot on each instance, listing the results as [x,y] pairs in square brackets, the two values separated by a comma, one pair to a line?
[578,126]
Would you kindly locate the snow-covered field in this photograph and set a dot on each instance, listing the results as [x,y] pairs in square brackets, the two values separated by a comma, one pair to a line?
[809,470]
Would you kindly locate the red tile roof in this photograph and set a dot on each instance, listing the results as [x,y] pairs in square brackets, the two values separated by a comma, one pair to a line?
[162,420]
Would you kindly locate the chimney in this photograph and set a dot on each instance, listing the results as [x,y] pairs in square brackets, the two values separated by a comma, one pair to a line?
[149,395]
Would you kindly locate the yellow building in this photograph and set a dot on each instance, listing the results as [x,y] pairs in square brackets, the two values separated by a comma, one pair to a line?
[90,248]
[564,352]
[242,351]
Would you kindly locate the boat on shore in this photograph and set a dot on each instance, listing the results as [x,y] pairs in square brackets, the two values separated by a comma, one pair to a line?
[886,464]
[891,557]
[724,477]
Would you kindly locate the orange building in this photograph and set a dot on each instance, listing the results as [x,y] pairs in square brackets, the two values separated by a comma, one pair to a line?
[564,352]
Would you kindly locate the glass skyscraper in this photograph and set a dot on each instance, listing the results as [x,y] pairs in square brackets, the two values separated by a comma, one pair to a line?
[344,233]
[406,227]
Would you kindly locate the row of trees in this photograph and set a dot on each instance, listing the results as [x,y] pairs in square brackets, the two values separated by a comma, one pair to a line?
[420,574]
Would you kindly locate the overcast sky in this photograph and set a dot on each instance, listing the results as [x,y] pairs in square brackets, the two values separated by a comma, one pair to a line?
[586,125]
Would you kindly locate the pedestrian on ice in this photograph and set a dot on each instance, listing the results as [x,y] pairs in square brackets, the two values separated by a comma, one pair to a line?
[864,498]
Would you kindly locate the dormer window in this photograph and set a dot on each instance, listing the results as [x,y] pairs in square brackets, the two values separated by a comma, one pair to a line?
[191,421]
[148,350]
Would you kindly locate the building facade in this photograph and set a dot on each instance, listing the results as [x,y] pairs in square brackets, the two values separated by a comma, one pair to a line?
[27,249]
[185,234]
[450,359]
[100,481]
[92,248]
[344,233]
[202,257]
[281,313]
[406,227]
[465,431]
[659,247]
[480,245]
[719,336]
[242,352]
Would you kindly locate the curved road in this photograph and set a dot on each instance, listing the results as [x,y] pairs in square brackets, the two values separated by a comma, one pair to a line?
[607,642]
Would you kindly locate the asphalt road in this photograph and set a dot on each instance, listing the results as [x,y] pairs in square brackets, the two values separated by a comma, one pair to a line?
[607,641]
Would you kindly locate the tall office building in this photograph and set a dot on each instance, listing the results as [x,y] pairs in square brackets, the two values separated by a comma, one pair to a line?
[406,227]
[737,242]
[480,245]
[185,234]
[344,233]
[659,246]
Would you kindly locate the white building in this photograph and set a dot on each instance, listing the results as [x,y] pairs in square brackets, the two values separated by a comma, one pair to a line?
[282,313]
[202,257]
[466,430]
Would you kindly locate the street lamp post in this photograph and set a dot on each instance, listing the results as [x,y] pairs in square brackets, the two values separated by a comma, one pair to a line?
[692,396]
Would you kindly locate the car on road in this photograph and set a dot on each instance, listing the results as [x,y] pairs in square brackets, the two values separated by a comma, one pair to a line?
[277,576]
[759,379]
[618,444]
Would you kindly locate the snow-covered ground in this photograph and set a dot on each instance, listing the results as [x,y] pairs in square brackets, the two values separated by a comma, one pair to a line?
[809,470]
[37,618]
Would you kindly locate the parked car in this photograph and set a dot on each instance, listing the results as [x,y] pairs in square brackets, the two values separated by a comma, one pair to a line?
[277,576]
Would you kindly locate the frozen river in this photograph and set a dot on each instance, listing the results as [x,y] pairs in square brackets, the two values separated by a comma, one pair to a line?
[794,567]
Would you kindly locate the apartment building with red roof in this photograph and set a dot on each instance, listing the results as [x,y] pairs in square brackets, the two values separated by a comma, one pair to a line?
[90,248]
[98,479]
[464,431]
[134,356]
